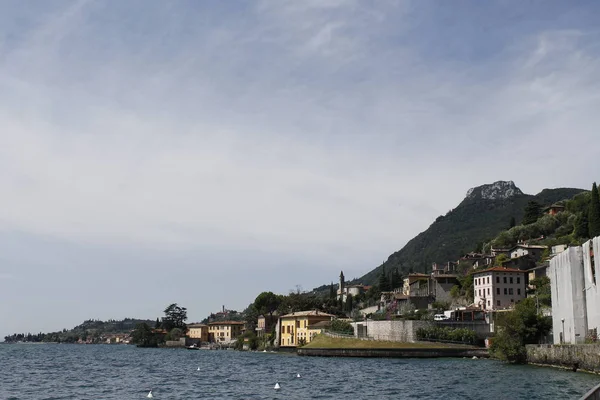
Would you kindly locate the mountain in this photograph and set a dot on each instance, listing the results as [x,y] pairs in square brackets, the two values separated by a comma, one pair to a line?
[485,211]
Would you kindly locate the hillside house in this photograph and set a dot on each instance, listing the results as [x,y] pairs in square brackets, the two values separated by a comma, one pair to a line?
[265,324]
[531,250]
[413,284]
[554,209]
[344,290]
[499,288]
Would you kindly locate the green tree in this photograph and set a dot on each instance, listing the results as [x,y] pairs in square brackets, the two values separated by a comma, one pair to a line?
[349,304]
[395,279]
[533,211]
[524,325]
[157,324]
[594,213]
[384,283]
[512,223]
[143,336]
[332,291]
[582,229]
[341,326]
[267,303]
[175,317]
[542,291]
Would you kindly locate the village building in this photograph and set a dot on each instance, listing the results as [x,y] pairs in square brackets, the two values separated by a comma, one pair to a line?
[575,294]
[344,290]
[535,252]
[499,288]
[198,332]
[301,327]
[265,324]
[224,331]
[554,209]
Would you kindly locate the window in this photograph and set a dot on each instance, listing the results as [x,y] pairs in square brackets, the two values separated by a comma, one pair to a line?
[504,279]
[512,300]
[479,292]
[510,291]
[488,280]
[498,303]
[518,279]
[505,291]
[497,290]
[511,279]
[497,279]
[519,292]
[489,303]
[488,291]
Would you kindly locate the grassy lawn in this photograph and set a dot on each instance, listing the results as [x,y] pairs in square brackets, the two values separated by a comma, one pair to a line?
[326,342]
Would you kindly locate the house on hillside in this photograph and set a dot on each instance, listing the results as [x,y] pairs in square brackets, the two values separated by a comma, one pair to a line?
[344,290]
[554,209]
[499,288]
[416,284]
[300,327]
[531,250]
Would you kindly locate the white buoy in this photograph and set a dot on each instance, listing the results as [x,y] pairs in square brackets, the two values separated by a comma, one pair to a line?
[150,395]
[198,368]
[474,357]
[264,351]
[298,376]
[277,387]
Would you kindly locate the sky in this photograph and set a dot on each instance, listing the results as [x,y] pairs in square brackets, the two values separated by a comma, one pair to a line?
[201,152]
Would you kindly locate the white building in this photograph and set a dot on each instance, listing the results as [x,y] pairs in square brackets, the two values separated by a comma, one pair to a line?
[499,288]
[520,250]
[591,277]
[567,288]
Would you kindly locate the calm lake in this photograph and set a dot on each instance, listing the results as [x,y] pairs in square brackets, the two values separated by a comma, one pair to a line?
[50,371]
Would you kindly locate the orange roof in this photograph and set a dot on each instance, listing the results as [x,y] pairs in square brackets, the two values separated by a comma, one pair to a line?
[226,323]
[499,269]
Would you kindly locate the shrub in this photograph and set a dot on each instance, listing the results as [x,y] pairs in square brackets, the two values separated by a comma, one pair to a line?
[447,334]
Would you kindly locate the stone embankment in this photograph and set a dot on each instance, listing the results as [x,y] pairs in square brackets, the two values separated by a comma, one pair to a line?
[576,356]
[396,353]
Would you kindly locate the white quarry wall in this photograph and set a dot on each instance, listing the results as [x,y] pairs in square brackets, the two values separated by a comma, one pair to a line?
[568,297]
[591,275]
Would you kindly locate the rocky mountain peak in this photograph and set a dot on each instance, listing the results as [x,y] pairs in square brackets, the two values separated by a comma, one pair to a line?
[494,191]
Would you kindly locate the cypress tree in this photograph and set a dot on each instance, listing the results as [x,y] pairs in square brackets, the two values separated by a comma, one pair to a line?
[582,229]
[384,284]
[331,291]
[594,213]
[533,211]
[512,223]
[349,304]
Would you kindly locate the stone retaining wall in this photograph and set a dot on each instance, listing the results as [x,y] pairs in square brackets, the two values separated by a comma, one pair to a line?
[395,353]
[572,356]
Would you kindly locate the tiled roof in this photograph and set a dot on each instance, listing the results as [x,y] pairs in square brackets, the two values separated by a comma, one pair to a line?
[499,269]
[226,323]
[312,313]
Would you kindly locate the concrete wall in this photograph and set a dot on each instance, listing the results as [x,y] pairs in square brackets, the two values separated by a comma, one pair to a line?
[584,356]
[395,331]
[568,299]
[396,353]
[591,276]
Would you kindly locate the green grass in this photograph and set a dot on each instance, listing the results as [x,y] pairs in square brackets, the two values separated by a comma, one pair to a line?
[326,342]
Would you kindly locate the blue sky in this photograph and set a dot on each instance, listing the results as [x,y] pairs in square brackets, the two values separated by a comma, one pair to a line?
[201,152]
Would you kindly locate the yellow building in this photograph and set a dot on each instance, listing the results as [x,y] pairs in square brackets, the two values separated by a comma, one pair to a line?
[198,331]
[224,331]
[301,327]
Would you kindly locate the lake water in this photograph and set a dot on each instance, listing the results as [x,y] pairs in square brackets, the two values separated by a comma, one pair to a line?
[51,371]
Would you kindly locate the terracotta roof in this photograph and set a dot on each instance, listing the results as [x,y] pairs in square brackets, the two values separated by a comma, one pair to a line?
[499,269]
[312,313]
[196,325]
[226,323]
